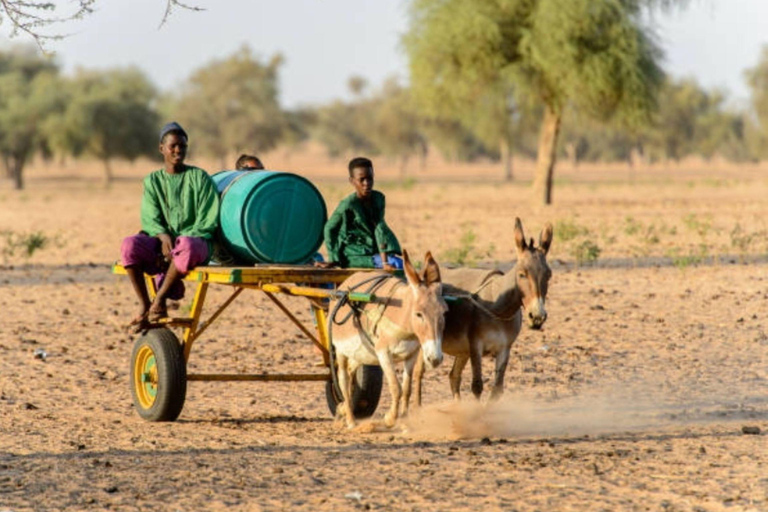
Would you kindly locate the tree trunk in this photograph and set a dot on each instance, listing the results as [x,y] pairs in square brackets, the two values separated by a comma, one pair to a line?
[505,148]
[545,163]
[108,177]
[423,153]
[16,167]
[403,167]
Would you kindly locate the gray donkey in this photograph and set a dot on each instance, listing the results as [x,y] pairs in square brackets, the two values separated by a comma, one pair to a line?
[488,316]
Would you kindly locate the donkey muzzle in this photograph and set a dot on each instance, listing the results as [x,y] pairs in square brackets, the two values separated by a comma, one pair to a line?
[432,353]
[537,315]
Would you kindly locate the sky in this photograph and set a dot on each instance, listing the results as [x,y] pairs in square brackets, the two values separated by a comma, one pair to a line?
[324,42]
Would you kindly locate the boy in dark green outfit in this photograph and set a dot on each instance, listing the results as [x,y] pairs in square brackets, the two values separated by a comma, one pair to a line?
[356,235]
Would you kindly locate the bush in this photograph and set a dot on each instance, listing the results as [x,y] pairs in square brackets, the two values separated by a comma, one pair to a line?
[567,230]
[21,244]
[586,252]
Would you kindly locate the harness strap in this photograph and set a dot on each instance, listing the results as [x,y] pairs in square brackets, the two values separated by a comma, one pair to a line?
[473,298]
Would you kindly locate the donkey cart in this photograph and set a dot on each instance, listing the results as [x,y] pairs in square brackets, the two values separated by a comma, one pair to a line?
[159,377]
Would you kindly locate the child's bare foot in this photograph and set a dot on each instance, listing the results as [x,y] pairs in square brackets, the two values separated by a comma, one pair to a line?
[138,324]
[156,312]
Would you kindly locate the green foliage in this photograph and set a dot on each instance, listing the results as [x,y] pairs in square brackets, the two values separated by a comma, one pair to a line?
[384,122]
[108,115]
[463,254]
[231,106]
[631,226]
[741,240]
[567,230]
[757,129]
[700,226]
[485,61]
[29,95]
[683,260]
[23,245]
[585,252]
[396,131]
[690,120]
[341,129]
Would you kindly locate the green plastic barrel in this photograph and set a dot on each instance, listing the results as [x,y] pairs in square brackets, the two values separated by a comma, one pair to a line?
[269,216]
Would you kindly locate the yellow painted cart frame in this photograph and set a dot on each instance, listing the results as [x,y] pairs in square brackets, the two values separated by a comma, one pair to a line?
[158,374]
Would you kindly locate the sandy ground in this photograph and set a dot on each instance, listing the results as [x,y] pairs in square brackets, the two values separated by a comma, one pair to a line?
[633,397]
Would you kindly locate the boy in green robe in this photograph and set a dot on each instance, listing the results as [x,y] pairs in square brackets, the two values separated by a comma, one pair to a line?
[179,216]
[356,235]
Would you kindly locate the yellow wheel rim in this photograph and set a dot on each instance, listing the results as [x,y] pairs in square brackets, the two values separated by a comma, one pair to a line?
[145,377]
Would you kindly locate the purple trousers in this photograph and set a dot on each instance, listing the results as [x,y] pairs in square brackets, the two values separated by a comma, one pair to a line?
[145,253]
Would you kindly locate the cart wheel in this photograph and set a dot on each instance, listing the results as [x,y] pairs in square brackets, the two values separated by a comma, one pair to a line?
[366,390]
[158,376]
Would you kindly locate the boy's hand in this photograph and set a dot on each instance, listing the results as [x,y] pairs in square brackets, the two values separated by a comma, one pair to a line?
[387,266]
[325,264]
[166,244]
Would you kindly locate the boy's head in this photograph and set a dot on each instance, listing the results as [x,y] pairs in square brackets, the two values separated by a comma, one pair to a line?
[361,176]
[249,162]
[173,144]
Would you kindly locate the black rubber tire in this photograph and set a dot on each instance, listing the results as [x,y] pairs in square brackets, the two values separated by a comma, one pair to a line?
[366,391]
[170,390]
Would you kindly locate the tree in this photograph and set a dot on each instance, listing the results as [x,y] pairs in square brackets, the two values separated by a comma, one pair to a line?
[108,115]
[345,127]
[396,127]
[757,80]
[29,95]
[595,54]
[231,105]
[691,120]
[34,18]
[342,128]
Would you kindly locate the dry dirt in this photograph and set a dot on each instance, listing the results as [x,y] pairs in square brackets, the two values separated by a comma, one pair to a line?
[632,398]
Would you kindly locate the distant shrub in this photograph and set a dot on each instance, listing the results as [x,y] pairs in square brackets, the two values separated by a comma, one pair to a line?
[586,252]
[567,230]
[462,254]
[21,244]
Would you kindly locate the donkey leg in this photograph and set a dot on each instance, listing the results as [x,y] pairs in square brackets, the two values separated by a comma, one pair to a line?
[455,376]
[345,383]
[502,359]
[418,374]
[407,382]
[388,367]
[476,361]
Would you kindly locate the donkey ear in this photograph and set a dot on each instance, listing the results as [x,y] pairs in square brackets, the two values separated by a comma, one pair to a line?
[519,236]
[431,272]
[410,273]
[545,238]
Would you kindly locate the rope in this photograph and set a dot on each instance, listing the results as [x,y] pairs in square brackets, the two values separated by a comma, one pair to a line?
[378,280]
[472,297]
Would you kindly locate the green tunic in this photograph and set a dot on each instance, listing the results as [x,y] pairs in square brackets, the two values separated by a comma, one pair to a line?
[183,204]
[355,233]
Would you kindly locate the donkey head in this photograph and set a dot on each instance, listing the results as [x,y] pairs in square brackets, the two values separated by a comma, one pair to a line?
[428,308]
[532,273]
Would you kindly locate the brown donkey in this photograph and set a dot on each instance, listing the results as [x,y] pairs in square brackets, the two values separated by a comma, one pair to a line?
[489,313]
[407,316]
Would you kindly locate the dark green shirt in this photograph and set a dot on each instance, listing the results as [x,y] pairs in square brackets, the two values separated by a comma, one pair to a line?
[183,204]
[355,233]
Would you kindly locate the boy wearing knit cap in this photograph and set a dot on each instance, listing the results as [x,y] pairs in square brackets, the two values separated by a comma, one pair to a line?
[179,216]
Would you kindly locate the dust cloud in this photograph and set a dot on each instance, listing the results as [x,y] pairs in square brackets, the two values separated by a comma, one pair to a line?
[594,412]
